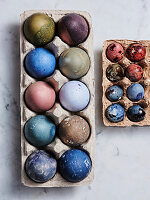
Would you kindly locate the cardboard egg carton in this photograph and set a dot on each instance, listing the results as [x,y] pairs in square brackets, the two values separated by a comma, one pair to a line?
[125,82]
[57,113]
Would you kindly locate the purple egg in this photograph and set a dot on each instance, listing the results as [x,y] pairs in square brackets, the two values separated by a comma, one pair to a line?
[73,29]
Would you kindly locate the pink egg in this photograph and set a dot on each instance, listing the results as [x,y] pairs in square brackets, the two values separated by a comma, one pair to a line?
[40,96]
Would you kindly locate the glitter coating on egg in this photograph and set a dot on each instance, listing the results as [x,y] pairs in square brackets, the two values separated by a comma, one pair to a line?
[74,63]
[135,113]
[40,166]
[75,165]
[136,52]
[73,29]
[135,92]
[39,130]
[114,93]
[39,29]
[115,113]
[40,96]
[115,72]
[134,72]
[40,63]
[115,52]
[74,130]
[74,96]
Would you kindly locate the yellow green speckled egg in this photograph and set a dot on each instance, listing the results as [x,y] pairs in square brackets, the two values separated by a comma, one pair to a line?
[39,29]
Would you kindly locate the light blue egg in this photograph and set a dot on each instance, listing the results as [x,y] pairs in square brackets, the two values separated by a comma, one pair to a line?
[135,92]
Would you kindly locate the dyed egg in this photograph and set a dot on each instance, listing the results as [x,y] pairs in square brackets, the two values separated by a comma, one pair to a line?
[115,72]
[40,63]
[73,29]
[135,92]
[114,93]
[74,63]
[74,96]
[114,52]
[40,166]
[136,52]
[40,96]
[136,113]
[39,130]
[74,130]
[134,72]
[75,165]
[115,113]
[39,29]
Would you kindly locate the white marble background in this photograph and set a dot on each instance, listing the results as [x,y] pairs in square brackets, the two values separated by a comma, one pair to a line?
[122,169]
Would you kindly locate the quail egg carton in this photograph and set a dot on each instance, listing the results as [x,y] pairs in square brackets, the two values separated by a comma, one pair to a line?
[57,113]
[125,82]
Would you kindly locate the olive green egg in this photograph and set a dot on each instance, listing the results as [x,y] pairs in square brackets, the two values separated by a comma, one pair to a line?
[74,63]
[39,29]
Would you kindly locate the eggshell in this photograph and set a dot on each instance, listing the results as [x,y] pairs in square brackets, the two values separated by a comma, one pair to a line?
[74,96]
[40,96]
[75,165]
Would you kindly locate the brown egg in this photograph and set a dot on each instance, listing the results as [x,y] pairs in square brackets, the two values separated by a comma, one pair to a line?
[40,96]
[74,130]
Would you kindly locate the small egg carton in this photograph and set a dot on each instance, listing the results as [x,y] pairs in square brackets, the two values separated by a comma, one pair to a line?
[57,113]
[125,82]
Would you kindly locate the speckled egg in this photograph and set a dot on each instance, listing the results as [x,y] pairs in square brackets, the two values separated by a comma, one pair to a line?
[75,165]
[115,72]
[74,130]
[135,92]
[114,93]
[39,130]
[40,63]
[40,96]
[74,96]
[39,29]
[74,63]
[134,72]
[115,113]
[40,166]
[136,52]
[135,113]
[73,29]
[115,52]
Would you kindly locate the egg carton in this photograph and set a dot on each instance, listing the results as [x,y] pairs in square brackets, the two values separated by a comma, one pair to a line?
[57,113]
[125,82]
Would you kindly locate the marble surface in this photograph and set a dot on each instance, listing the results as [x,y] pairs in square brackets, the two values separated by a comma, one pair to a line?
[122,155]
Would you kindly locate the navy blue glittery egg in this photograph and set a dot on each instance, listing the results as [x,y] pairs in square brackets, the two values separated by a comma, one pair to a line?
[40,63]
[75,165]
[115,112]
[136,113]
[135,92]
[40,166]
[114,93]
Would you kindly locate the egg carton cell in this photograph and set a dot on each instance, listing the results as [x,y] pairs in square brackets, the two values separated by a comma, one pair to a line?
[127,62]
[57,113]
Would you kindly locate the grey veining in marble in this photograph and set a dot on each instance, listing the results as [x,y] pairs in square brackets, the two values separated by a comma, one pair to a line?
[122,154]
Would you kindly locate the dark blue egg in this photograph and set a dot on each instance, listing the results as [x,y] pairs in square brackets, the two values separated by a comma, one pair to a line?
[39,130]
[40,166]
[115,112]
[135,92]
[114,93]
[75,165]
[135,113]
[40,63]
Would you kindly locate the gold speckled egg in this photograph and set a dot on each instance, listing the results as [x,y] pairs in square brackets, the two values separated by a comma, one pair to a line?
[39,29]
